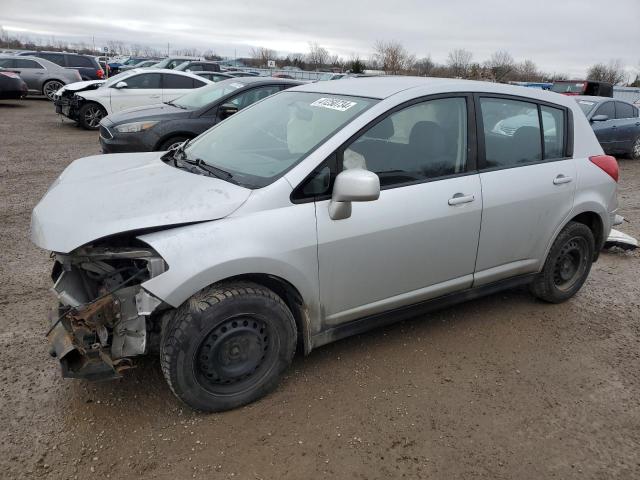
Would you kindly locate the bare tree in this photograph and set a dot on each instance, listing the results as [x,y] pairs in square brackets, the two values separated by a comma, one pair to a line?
[393,57]
[425,66]
[318,56]
[613,72]
[262,55]
[459,61]
[527,71]
[502,65]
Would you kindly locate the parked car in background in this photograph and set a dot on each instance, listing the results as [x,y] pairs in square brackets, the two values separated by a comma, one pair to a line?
[12,87]
[165,126]
[318,213]
[583,87]
[142,64]
[173,62]
[241,74]
[616,124]
[133,88]
[87,65]
[118,65]
[41,76]
[198,66]
[214,76]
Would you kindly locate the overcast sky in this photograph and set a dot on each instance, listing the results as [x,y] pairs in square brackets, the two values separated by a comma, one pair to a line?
[558,35]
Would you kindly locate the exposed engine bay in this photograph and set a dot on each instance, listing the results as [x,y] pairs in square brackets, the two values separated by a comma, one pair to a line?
[104,316]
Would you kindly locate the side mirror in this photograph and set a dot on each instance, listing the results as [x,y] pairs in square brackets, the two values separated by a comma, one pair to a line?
[120,85]
[600,118]
[226,110]
[355,185]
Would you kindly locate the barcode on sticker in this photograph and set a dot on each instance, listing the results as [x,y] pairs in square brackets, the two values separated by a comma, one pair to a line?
[333,104]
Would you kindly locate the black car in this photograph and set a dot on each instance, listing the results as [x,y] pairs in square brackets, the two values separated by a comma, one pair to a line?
[87,65]
[164,126]
[198,66]
[12,87]
[616,124]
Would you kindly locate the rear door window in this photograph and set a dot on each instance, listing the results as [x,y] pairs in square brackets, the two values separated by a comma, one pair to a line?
[624,110]
[57,58]
[144,81]
[176,81]
[512,134]
[7,63]
[79,62]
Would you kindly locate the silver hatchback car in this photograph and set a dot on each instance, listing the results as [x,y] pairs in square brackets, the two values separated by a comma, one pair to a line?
[318,213]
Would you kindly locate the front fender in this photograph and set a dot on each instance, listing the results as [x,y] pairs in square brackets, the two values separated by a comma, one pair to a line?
[280,242]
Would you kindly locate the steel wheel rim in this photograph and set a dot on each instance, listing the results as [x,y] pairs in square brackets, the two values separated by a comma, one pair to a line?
[570,264]
[233,354]
[51,88]
[93,115]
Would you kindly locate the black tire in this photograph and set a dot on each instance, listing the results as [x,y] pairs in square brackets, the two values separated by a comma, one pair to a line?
[172,142]
[227,346]
[634,153]
[90,114]
[50,87]
[567,266]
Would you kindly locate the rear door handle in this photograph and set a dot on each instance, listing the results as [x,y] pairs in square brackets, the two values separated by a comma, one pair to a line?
[560,179]
[460,198]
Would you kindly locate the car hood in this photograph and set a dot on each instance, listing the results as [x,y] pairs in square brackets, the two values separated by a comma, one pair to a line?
[104,195]
[160,111]
[80,86]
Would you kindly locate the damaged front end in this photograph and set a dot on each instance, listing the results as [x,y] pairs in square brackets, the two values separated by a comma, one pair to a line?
[105,316]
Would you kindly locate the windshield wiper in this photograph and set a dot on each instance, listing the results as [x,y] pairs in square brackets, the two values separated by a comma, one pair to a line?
[218,172]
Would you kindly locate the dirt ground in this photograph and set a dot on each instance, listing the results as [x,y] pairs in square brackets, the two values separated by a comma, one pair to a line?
[500,388]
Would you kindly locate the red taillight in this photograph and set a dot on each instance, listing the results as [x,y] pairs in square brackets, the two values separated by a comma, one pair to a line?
[607,163]
[100,73]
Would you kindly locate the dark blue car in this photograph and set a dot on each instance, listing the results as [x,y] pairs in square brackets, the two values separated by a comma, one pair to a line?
[615,123]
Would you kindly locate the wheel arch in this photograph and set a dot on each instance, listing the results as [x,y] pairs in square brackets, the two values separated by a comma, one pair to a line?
[291,297]
[171,134]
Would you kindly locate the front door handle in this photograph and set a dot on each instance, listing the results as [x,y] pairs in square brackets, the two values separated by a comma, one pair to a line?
[560,179]
[460,198]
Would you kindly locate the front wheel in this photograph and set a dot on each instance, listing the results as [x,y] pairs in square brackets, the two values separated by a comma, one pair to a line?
[567,265]
[172,142]
[90,114]
[227,346]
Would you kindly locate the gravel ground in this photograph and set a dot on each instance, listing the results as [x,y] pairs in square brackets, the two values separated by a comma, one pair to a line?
[502,387]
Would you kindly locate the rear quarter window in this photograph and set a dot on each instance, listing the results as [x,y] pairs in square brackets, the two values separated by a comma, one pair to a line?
[79,62]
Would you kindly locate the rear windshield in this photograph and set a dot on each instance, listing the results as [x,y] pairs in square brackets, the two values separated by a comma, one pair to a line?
[586,106]
[568,87]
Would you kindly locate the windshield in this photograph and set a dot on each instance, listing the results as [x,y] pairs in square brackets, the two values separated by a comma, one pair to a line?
[201,97]
[115,79]
[263,141]
[586,106]
[568,87]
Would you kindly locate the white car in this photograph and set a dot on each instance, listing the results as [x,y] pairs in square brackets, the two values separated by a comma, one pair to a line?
[88,102]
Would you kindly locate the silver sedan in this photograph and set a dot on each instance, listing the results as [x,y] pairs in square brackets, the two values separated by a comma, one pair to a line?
[40,75]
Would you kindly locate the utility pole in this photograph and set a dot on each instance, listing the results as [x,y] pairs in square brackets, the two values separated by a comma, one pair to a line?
[168,49]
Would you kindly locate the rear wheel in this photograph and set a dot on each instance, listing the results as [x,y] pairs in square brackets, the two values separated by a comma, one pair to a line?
[567,265]
[227,346]
[90,114]
[50,88]
[635,149]
[172,142]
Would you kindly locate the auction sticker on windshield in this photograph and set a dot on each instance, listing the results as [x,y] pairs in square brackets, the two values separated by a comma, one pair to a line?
[236,85]
[334,104]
